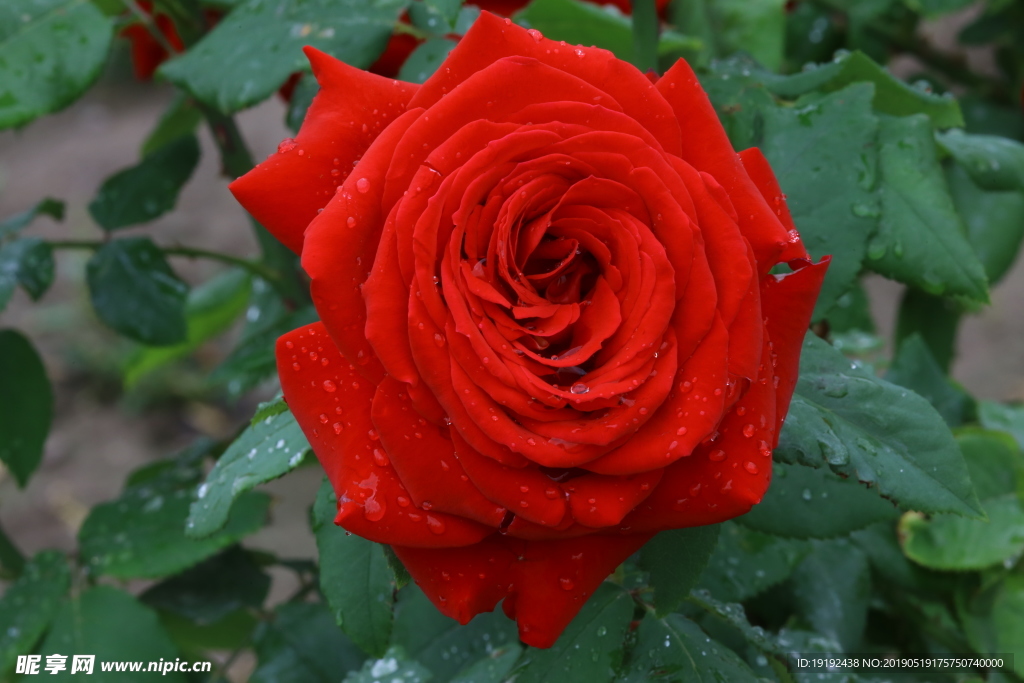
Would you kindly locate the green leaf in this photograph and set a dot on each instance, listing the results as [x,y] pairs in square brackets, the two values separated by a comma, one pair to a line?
[424,60]
[434,17]
[733,615]
[261,453]
[581,23]
[747,562]
[995,222]
[993,618]
[865,428]
[891,95]
[50,52]
[147,190]
[676,649]
[591,645]
[26,405]
[229,633]
[852,312]
[881,545]
[831,588]
[142,533]
[829,180]
[305,90]
[1003,418]
[253,359]
[301,644]
[12,562]
[393,666]
[440,643]
[804,502]
[54,208]
[29,604]
[936,319]
[921,239]
[112,625]
[757,27]
[259,45]
[212,589]
[354,578]
[994,163]
[494,668]
[270,408]
[915,368]
[948,542]
[210,309]
[676,559]
[135,292]
[28,262]
[178,121]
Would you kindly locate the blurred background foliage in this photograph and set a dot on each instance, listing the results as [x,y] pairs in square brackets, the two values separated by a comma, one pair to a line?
[139,309]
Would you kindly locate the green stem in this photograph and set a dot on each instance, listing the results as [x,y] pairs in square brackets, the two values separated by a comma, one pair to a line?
[254,267]
[11,559]
[645,35]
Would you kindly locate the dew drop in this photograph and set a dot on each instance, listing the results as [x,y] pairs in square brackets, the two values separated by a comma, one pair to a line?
[717,456]
[329,386]
[363,185]
[751,467]
[748,430]
[566,583]
[579,388]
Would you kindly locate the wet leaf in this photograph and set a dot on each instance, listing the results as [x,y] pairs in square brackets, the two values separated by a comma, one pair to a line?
[676,559]
[51,51]
[393,666]
[993,618]
[829,180]
[212,589]
[142,533]
[804,502]
[265,451]
[301,644]
[210,309]
[921,239]
[26,405]
[355,578]
[747,562]
[676,649]
[259,45]
[948,542]
[916,369]
[424,60]
[112,625]
[862,427]
[135,292]
[29,604]
[831,587]
[590,648]
[995,163]
[27,262]
[440,643]
[149,189]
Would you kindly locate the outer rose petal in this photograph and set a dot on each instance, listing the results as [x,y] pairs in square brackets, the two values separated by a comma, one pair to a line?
[284,192]
[546,582]
[331,402]
[708,149]
[788,302]
[760,171]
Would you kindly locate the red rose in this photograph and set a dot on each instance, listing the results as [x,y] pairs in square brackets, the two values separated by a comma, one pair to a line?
[548,325]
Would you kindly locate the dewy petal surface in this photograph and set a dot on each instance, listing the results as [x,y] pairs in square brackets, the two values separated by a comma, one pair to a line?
[548,325]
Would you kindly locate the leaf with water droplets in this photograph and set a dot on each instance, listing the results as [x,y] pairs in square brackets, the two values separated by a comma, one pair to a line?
[747,562]
[355,578]
[915,368]
[494,668]
[142,533]
[831,588]
[590,649]
[51,51]
[29,604]
[425,59]
[804,502]
[875,432]
[54,208]
[112,625]
[259,45]
[135,291]
[301,644]
[921,240]
[948,542]
[442,644]
[676,559]
[26,405]
[262,452]
[1003,418]
[393,666]
[676,649]
[994,162]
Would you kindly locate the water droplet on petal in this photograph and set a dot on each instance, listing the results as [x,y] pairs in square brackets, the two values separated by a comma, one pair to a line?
[566,583]
[363,185]
[329,386]
[717,456]
[751,467]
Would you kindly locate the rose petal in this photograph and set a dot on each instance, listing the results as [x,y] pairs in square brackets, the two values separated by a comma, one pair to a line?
[284,192]
[761,173]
